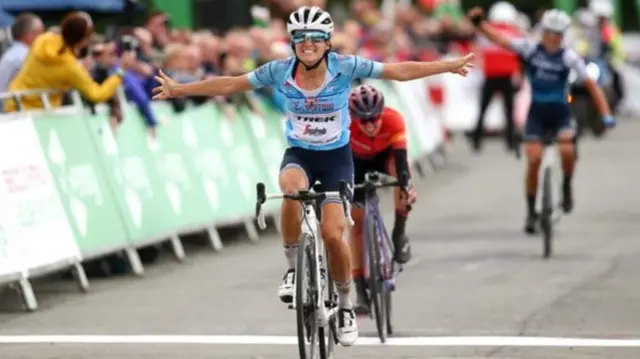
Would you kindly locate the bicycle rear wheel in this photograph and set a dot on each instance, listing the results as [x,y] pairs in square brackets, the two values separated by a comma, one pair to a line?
[376,280]
[306,294]
[546,221]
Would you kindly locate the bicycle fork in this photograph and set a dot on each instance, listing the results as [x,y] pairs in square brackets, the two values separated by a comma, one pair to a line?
[310,227]
[389,280]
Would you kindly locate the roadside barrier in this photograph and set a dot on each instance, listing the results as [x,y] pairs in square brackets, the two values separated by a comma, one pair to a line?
[71,190]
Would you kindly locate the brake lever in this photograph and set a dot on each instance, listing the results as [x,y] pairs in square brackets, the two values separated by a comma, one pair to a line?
[346,205]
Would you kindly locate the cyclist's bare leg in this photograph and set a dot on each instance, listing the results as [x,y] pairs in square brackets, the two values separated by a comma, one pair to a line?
[292,179]
[533,150]
[355,241]
[402,248]
[332,229]
[356,244]
[566,148]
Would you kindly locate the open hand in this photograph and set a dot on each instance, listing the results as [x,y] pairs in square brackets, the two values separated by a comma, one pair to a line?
[166,90]
[462,65]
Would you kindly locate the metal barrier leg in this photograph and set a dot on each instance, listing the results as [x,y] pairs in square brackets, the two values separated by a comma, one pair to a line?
[417,164]
[134,261]
[277,221]
[433,161]
[178,249]
[81,277]
[252,232]
[27,294]
[214,238]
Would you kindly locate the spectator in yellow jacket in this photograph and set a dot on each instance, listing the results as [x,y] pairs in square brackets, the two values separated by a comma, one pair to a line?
[52,64]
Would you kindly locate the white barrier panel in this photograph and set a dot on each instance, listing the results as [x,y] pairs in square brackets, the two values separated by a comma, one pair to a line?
[34,230]
[421,113]
[431,114]
[462,104]
[631,86]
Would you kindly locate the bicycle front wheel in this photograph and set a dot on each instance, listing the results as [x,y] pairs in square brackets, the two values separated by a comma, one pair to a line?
[306,298]
[327,336]
[546,222]
[376,280]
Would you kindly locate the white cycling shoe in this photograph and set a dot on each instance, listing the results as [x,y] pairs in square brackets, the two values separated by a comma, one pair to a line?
[347,327]
[285,291]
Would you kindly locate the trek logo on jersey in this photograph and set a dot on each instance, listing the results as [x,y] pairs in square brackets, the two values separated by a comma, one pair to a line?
[314,131]
[317,118]
[317,129]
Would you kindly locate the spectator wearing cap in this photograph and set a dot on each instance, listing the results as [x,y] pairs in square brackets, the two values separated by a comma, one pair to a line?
[26,28]
[53,64]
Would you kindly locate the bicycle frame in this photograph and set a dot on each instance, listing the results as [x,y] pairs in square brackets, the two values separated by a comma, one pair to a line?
[372,213]
[310,227]
[550,159]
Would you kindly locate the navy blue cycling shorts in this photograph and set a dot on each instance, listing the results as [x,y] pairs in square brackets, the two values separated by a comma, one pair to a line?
[547,118]
[329,167]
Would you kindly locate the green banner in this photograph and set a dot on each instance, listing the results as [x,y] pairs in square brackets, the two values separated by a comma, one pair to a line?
[134,176]
[80,178]
[266,138]
[126,188]
[182,179]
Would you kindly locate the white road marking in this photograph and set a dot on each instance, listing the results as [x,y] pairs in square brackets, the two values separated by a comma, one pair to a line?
[481,341]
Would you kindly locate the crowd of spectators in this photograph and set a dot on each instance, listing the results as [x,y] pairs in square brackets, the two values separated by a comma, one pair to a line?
[424,31]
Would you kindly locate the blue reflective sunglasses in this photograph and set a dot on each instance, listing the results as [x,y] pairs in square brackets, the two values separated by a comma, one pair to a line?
[314,36]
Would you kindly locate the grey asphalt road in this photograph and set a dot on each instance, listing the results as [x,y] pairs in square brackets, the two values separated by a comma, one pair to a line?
[474,273]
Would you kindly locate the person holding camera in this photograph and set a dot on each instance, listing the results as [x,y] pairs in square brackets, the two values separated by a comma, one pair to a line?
[135,82]
[53,64]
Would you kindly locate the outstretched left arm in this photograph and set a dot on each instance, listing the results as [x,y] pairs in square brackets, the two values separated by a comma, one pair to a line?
[411,70]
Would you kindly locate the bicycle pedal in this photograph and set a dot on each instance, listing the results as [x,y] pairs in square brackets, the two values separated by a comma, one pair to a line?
[290,306]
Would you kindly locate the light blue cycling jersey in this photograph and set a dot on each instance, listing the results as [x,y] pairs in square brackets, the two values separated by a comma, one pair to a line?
[317,120]
[548,73]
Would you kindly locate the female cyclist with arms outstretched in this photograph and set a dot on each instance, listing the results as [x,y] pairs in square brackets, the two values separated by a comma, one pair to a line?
[315,84]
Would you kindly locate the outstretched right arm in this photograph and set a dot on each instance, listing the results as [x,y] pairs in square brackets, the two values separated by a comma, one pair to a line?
[217,86]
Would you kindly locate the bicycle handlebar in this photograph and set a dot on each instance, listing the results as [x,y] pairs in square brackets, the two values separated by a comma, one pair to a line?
[374,180]
[342,194]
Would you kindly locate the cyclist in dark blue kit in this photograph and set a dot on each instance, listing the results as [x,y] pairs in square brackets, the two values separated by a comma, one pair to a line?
[547,66]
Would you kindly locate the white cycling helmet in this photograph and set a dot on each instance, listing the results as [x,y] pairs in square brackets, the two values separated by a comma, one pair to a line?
[524,23]
[585,17]
[601,8]
[503,12]
[555,20]
[310,18]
